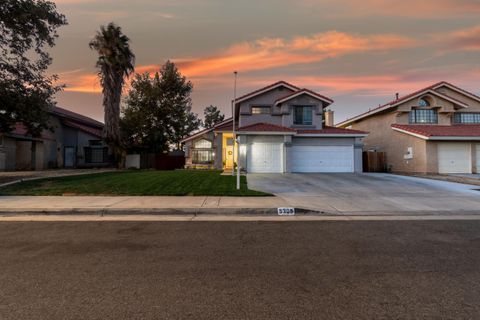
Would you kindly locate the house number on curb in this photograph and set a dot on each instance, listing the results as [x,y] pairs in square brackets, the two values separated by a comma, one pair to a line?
[286,211]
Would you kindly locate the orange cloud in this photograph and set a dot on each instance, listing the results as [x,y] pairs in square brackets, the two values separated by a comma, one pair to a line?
[276,52]
[262,54]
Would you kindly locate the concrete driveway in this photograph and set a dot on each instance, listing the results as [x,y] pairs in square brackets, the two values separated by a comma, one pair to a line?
[368,193]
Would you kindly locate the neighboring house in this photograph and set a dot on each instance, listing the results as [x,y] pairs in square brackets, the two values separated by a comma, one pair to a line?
[280,129]
[433,130]
[76,141]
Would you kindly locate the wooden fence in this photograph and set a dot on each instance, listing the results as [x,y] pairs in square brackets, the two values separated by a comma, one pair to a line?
[374,161]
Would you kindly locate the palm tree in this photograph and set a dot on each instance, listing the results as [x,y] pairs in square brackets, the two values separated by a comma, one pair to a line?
[115,62]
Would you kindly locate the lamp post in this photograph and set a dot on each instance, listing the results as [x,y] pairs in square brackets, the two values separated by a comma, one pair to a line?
[235,141]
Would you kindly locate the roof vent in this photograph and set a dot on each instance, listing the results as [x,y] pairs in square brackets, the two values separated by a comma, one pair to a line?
[397,95]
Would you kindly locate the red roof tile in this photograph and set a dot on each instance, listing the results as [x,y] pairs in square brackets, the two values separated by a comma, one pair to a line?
[406,97]
[304,90]
[265,127]
[331,130]
[460,130]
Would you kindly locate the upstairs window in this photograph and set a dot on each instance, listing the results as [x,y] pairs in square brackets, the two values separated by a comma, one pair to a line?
[303,115]
[203,144]
[468,118]
[260,110]
[423,116]
[423,103]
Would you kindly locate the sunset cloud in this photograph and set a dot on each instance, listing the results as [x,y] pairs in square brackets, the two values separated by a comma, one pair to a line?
[271,53]
[467,39]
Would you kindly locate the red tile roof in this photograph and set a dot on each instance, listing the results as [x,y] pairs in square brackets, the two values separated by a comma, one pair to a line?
[265,127]
[331,130]
[88,129]
[460,130]
[406,97]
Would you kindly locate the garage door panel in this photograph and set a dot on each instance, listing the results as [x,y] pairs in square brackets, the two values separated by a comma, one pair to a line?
[454,158]
[322,159]
[265,158]
[478,158]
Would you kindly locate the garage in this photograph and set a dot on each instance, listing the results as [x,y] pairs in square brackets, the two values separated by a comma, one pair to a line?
[454,158]
[478,158]
[265,158]
[322,159]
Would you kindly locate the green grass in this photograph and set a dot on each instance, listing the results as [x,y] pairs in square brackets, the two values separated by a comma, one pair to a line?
[136,183]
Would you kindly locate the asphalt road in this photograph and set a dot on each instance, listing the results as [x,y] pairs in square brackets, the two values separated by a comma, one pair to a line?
[240,270]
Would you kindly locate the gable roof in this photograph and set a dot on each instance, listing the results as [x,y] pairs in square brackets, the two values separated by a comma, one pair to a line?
[97,132]
[221,126]
[439,132]
[301,92]
[272,86]
[430,89]
[64,113]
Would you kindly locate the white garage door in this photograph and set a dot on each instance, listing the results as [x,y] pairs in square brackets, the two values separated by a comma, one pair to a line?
[478,158]
[322,159]
[454,158]
[265,158]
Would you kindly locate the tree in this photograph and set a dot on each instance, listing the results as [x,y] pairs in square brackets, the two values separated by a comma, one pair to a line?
[212,116]
[115,62]
[27,27]
[158,112]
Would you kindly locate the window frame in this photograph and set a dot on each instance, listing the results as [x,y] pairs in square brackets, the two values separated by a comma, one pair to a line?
[303,122]
[203,147]
[268,108]
[88,154]
[422,116]
[209,158]
[458,119]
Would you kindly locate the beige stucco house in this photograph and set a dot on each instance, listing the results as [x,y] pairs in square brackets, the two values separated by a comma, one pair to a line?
[433,130]
[279,128]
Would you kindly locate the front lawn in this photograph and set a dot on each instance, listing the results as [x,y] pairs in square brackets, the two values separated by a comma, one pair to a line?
[136,183]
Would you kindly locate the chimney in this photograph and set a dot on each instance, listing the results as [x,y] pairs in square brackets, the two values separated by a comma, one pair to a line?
[329,120]
[397,95]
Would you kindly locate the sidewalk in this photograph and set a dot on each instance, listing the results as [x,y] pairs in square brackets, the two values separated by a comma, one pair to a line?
[135,205]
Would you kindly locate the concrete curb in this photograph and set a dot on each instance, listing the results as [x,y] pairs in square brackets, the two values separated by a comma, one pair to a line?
[156,212]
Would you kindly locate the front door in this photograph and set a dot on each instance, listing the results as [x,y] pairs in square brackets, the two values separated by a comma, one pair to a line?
[229,157]
[69,157]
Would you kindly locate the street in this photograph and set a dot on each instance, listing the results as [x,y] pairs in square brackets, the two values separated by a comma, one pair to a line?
[240,270]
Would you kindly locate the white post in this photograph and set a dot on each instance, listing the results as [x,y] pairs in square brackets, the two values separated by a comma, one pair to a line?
[235,142]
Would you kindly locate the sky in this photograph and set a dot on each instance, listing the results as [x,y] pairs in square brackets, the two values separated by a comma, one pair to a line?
[359,53]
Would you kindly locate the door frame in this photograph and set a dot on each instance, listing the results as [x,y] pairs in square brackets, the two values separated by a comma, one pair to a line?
[65,156]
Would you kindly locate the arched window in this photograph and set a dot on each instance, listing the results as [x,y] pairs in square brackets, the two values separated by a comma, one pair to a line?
[203,144]
[423,103]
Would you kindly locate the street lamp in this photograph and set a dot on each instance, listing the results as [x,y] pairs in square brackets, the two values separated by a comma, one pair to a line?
[235,140]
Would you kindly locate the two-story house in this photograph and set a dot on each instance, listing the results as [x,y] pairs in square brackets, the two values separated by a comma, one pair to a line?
[280,128]
[433,130]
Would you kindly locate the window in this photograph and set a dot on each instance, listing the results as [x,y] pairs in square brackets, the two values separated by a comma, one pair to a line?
[203,144]
[202,156]
[423,103]
[96,154]
[260,110]
[423,116]
[202,152]
[303,115]
[466,118]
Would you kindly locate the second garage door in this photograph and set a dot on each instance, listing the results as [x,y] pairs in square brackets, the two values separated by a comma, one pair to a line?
[322,159]
[454,158]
